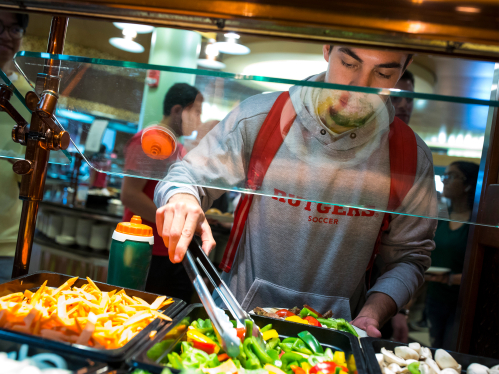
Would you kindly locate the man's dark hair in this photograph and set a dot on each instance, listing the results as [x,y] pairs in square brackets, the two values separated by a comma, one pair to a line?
[409,57]
[181,94]
[22,20]
[407,76]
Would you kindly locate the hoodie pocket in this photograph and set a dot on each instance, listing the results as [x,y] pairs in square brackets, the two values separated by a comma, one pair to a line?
[266,294]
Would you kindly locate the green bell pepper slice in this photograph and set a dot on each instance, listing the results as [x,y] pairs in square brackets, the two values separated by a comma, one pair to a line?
[311,342]
[266,328]
[272,343]
[249,329]
[300,346]
[307,312]
[286,347]
[328,353]
[212,361]
[343,325]
[260,352]
[330,323]
[175,361]
[274,355]
[204,326]
[290,340]
[290,357]
[252,361]
[414,368]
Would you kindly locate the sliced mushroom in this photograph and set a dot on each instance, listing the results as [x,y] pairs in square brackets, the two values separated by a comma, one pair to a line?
[477,369]
[424,368]
[416,347]
[387,371]
[425,353]
[395,368]
[433,365]
[445,360]
[381,360]
[449,371]
[390,358]
[495,367]
[493,371]
[406,353]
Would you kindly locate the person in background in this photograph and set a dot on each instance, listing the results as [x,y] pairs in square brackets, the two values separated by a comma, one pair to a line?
[101,161]
[12,29]
[404,105]
[451,238]
[182,105]
[397,328]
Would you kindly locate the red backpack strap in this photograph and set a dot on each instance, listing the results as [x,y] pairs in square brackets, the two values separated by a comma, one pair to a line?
[403,148]
[268,141]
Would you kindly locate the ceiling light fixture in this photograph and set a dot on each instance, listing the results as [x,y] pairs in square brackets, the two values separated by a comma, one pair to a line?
[210,61]
[127,43]
[468,9]
[231,46]
[139,29]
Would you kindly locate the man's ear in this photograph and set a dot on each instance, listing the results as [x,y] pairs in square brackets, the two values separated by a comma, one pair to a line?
[326,51]
[176,110]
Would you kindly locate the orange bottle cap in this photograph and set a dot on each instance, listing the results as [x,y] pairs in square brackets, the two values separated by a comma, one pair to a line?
[134,227]
[158,142]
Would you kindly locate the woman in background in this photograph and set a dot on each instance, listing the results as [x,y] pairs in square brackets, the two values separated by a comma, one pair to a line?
[451,239]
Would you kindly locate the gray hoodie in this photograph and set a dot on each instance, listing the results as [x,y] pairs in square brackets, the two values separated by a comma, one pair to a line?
[294,252]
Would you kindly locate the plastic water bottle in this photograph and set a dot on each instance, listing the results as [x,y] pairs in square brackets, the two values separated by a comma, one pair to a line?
[130,254]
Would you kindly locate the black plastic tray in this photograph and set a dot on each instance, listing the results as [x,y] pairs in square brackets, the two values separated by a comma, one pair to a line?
[75,363]
[336,340]
[371,346]
[34,281]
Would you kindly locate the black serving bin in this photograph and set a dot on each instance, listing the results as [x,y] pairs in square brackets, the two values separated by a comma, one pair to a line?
[175,331]
[33,281]
[371,346]
[76,363]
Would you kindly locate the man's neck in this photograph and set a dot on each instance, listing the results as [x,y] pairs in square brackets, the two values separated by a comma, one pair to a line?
[166,121]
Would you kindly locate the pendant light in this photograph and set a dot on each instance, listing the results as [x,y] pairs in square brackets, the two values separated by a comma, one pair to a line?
[231,46]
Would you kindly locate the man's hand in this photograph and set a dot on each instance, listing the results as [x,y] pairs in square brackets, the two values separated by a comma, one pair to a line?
[400,328]
[378,309]
[178,221]
[369,325]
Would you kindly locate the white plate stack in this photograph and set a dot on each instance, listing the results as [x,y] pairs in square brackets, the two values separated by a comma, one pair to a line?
[99,236]
[83,231]
[55,226]
[67,236]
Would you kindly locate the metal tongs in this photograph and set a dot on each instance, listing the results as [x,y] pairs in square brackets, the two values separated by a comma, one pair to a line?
[225,331]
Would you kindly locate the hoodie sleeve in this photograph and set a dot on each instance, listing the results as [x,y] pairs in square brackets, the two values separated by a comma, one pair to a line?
[220,160]
[406,246]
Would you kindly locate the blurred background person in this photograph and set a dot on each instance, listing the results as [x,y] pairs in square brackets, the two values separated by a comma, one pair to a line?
[12,29]
[397,328]
[404,105]
[451,238]
[181,107]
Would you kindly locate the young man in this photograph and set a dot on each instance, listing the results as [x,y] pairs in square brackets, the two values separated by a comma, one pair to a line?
[181,107]
[337,151]
[12,29]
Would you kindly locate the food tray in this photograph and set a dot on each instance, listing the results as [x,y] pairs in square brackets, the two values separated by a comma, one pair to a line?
[33,281]
[371,346]
[336,340]
[75,363]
